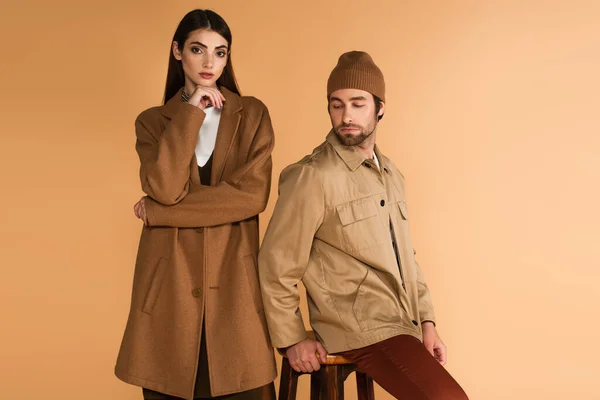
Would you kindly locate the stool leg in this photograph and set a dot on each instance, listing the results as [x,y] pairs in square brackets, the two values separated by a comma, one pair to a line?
[364,386]
[315,386]
[332,382]
[289,381]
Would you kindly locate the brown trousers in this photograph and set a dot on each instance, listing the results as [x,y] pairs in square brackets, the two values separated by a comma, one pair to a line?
[403,366]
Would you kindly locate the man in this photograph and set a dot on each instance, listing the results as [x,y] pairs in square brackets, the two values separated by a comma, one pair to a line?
[341,227]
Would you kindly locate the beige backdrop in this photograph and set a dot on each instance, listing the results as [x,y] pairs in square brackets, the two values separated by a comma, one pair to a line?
[492,116]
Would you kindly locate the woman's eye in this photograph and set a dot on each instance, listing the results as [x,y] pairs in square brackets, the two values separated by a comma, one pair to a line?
[196,50]
[221,54]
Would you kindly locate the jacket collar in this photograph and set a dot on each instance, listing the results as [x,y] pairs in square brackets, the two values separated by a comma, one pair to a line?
[383,160]
[350,156]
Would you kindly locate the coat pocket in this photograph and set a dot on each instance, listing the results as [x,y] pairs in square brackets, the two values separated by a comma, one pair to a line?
[251,270]
[155,285]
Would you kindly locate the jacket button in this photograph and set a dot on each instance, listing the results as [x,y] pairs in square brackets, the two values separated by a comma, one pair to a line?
[415,323]
[382,203]
[197,292]
[200,230]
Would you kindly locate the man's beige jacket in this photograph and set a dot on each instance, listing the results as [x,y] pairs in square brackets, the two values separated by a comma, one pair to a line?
[333,228]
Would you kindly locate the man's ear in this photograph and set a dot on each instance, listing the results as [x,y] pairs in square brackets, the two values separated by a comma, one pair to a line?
[381,109]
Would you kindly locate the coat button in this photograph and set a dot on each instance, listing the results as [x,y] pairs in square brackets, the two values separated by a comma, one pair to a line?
[382,202]
[415,323]
[197,292]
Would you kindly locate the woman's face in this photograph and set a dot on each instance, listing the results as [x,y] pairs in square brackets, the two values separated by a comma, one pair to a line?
[203,58]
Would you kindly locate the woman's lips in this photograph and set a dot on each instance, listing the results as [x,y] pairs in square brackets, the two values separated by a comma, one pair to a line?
[206,76]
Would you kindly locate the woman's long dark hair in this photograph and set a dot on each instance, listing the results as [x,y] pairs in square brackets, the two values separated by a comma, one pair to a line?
[198,19]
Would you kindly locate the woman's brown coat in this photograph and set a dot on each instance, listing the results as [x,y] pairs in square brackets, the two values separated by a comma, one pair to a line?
[197,259]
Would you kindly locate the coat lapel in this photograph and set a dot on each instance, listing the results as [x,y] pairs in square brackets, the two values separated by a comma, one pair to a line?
[170,108]
[226,134]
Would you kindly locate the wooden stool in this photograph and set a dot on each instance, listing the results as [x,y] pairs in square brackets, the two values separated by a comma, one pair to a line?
[326,383]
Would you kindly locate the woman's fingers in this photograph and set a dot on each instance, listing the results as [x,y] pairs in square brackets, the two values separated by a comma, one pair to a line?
[204,96]
[136,209]
[143,211]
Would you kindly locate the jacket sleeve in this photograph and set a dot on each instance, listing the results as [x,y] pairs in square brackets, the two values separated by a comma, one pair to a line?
[165,156]
[242,195]
[284,255]
[425,304]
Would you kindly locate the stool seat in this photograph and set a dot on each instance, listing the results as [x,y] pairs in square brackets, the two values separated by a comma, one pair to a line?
[328,382]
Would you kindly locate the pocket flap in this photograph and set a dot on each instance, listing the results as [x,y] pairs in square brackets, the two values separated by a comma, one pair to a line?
[155,285]
[356,210]
[403,209]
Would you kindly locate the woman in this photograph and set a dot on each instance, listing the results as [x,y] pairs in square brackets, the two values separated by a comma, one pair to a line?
[196,327]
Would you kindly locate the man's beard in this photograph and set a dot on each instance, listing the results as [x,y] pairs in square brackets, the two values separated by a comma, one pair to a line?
[348,139]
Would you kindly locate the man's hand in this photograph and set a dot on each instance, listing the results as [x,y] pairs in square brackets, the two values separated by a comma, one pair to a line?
[139,209]
[433,343]
[303,355]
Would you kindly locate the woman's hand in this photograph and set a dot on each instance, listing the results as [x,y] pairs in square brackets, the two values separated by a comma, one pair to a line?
[205,97]
[139,209]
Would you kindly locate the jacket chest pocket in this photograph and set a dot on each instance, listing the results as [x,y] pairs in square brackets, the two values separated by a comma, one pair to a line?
[403,210]
[401,217]
[360,225]
[402,234]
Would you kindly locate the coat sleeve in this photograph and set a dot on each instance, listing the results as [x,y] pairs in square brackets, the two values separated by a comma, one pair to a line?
[284,255]
[242,195]
[425,304]
[165,156]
